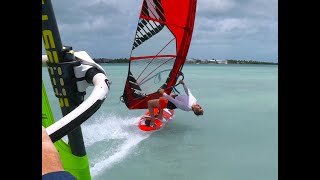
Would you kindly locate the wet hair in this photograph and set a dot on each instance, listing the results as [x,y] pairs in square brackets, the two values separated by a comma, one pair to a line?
[198,113]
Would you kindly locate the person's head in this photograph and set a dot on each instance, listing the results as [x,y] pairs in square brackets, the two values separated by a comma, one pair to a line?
[197,109]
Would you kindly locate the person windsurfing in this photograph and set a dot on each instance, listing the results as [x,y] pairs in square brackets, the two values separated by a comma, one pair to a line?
[184,102]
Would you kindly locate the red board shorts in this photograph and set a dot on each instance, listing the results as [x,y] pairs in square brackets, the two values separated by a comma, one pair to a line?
[163,102]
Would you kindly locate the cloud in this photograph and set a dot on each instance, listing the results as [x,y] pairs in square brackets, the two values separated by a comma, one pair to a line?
[224,29]
[229,29]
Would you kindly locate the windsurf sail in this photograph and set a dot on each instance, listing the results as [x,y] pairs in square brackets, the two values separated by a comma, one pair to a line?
[159,50]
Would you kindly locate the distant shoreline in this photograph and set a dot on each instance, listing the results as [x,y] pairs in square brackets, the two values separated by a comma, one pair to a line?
[193,61]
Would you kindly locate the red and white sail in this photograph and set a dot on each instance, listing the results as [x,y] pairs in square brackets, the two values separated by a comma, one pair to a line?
[159,50]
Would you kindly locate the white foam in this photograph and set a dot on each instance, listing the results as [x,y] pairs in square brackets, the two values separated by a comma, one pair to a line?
[123,151]
[112,127]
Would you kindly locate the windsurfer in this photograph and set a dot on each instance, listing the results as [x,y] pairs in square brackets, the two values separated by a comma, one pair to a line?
[184,102]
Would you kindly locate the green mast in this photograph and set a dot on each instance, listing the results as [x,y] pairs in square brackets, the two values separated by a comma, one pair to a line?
[60,67]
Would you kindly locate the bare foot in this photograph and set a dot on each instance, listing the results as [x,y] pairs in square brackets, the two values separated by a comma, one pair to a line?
[152,124]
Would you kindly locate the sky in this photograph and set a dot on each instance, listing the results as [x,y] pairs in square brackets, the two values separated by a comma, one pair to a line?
[223,29]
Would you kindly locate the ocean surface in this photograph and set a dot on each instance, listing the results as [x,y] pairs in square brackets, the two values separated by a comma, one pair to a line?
[235,139]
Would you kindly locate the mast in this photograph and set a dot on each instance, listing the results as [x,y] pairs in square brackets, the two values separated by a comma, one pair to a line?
[70,74]
[60,67]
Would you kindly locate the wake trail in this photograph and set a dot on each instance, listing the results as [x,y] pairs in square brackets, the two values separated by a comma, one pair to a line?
[110,139]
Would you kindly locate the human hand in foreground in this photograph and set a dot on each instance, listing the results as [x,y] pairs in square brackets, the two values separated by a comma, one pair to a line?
[51,161]
[161,91]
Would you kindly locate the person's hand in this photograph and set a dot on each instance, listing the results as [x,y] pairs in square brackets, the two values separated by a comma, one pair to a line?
[181,82]
[161,91]
[51,161]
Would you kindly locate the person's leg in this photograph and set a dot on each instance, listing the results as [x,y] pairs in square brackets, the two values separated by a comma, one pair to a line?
[151,105]
[163,103]
[160,114]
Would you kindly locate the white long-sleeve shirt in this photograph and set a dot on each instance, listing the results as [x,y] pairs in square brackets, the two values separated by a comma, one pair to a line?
[183,102]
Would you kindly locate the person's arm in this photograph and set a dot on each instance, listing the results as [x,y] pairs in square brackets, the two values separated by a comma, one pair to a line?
[170,98]
[52,168]
[174,101]
[188,92]
[50,157]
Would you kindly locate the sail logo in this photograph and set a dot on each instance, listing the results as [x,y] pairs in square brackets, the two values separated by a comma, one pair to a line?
[138,92]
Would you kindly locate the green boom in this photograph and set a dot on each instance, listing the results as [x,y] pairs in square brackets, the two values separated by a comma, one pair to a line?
[78,166]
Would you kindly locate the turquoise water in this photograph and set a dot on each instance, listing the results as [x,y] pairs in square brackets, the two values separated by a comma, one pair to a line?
[236,139]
